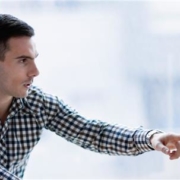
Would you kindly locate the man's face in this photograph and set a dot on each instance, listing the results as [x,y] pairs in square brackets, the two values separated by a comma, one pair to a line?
[18,68]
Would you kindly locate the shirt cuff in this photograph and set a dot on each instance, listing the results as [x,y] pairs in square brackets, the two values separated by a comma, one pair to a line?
[149,136]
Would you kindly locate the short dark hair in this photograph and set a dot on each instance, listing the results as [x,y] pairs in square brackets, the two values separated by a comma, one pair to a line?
[11,26]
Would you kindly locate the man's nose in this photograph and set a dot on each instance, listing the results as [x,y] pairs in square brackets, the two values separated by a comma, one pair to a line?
[33,71]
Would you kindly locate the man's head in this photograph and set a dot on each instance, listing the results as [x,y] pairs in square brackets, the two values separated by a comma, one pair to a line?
[11,26]
[17,57]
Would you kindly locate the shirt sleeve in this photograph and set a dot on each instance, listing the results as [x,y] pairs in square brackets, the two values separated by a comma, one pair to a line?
[94,135]
[6,175]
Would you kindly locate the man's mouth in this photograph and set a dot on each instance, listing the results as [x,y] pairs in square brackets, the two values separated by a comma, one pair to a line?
[27,85]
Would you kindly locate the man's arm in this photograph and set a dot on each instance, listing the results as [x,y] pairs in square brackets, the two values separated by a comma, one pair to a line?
[106,138]
[94,135]
[97,135]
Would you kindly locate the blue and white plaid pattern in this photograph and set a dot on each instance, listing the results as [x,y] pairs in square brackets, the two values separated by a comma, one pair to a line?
[28,116]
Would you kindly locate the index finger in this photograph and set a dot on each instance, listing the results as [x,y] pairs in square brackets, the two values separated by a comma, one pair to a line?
[162,148]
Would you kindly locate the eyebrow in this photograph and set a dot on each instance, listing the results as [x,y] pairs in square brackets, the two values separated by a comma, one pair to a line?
[26,57]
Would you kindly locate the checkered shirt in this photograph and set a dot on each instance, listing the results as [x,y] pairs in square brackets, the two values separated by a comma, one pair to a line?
[29,116]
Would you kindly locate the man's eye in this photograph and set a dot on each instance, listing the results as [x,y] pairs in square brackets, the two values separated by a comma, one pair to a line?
[23,60]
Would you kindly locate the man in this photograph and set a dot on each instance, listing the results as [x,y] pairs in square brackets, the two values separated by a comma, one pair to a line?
[25,110]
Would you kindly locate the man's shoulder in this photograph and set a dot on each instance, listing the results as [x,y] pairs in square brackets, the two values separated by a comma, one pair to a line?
[37,97]
[34,90]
